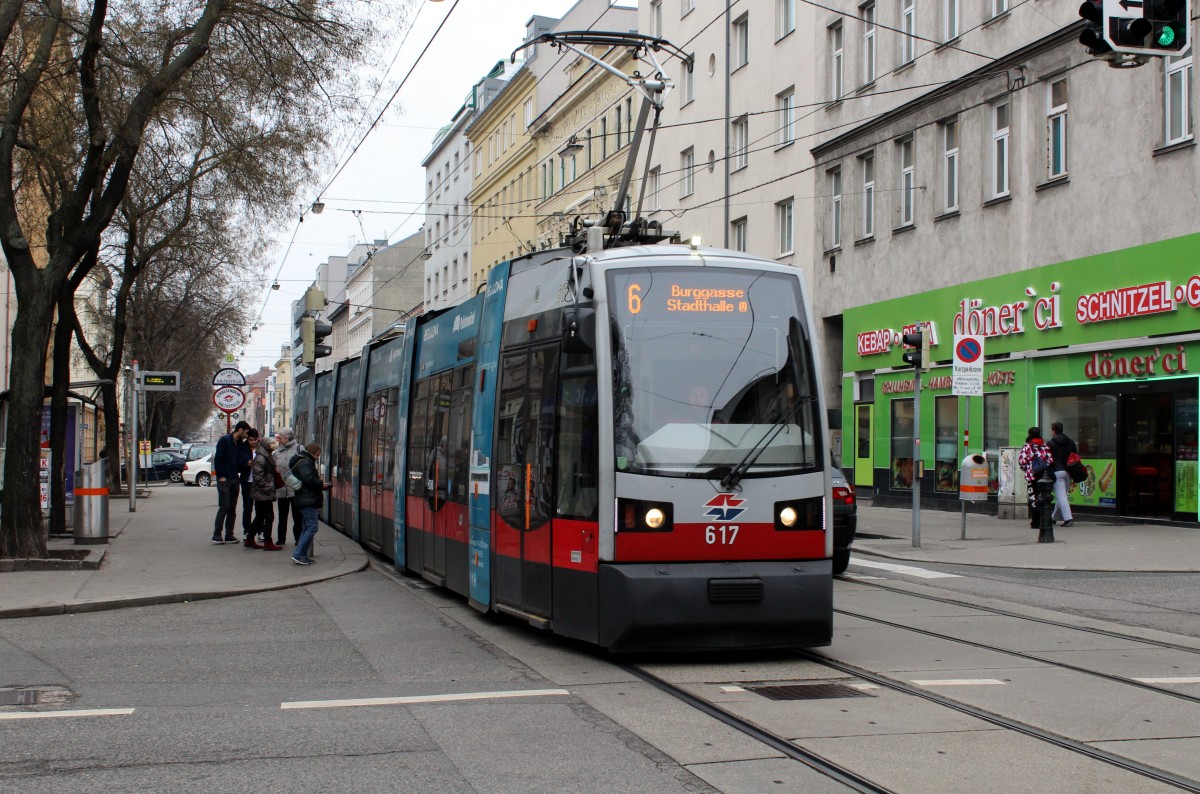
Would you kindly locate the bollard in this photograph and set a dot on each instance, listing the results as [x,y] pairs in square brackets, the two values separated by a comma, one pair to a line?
[91,504]
[1045,497]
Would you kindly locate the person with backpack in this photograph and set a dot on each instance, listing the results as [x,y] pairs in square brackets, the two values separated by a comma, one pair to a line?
[1034,459]
[1061,447]
[310,495]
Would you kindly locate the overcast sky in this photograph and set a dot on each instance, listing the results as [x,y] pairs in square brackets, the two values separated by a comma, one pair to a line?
[384,179]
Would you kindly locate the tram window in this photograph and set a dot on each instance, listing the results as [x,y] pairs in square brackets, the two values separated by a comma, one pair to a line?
[437,441]
[525,436]
[416,440]
[459,449]
[578,455]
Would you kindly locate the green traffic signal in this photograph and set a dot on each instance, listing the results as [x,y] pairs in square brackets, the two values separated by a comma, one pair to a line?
[1166,36]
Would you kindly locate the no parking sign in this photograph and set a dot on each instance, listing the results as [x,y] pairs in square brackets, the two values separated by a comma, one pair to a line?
[967,373]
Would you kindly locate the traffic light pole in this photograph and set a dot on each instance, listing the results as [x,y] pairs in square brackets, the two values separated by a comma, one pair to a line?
[916,465]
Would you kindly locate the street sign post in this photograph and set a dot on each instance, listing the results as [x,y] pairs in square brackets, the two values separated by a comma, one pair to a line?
[967,370]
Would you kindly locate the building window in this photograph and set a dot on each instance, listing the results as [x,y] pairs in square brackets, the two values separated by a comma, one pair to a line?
[908,26]
[589,147]
[785,16]
[739,235]
[950,165]
[686,7]
[836,66]
[902,444]
[656,19]
[785,104]
[907,184]
[741,41]
[545,183]
[783,219]
[528,112]
[1000,133]
[617,136]
[950,19]
[1177,106]
[741,143]
[1056,129]
[687,83]
[562,173]
[999,7]
[604,137]
[868,17]
[687,166]
[835,208]
[868,195]
[945,455]
[653,188]
[995,434]
[629,120]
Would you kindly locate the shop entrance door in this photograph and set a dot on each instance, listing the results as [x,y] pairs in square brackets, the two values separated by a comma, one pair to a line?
[1146,478]
[864,449]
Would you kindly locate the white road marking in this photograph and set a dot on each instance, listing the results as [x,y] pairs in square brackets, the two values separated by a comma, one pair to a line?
[959,682]
[732,689]
[907,570]
[864,577]
[39,715]
[1181,680]
[401,701]
[864,686]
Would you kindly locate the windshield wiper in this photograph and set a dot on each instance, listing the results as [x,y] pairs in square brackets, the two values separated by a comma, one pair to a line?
[736,473]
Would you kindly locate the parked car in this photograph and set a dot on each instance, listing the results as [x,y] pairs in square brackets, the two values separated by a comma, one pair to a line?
[845,519]
[198,471]
[197,451]
[164,465]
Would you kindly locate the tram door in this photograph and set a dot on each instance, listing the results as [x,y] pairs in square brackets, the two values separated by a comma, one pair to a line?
[435,463]
[523,491]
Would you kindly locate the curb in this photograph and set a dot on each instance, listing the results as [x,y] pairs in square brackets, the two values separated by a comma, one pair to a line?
[907,557]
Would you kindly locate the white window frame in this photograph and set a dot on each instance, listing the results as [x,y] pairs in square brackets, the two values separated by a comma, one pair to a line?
[951,19]
[738,238]
[655,180]
[686,7]
[835,207]
[1001,144]
[870,62]
[1056,129]
[656,18]
[837,66]
[785,18]
[785,104]
[907,161]
[687,83]
[867,163]
[999,7]
[908,29]
[741,143]
[785,223]
[1177,102]
[950,177]
[687,167]
[741,41]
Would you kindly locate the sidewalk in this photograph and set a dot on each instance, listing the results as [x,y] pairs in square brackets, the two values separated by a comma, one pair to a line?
[1088,545]
[162,554]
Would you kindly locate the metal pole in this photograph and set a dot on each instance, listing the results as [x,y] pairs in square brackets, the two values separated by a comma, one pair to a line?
[916,464]
[966,442]
[132,466]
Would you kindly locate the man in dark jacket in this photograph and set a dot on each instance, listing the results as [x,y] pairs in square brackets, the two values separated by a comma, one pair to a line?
[227,461]
[309,498]
[1061,446]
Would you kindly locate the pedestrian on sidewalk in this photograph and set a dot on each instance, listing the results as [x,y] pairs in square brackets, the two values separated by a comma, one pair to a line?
[1035,449]
[1061,446]
[283,454]
[227,459]
[311,494]
[246,482]
[263,489]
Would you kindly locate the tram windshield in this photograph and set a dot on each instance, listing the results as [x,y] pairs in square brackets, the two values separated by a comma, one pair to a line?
[712,373]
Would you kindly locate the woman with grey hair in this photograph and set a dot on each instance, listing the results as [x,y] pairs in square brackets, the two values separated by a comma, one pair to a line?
[285,450]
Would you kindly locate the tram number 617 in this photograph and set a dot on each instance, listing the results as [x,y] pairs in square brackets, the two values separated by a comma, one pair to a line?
[721,536]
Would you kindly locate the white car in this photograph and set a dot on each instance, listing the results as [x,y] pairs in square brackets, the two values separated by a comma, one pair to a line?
[198,472]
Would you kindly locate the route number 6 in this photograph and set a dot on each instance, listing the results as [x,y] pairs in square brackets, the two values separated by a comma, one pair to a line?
[722,535]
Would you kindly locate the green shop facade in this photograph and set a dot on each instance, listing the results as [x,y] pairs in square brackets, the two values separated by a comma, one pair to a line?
[1109,345]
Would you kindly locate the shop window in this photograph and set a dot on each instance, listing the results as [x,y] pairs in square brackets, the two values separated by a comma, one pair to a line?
[902,444]
[1090,419]
[945,456]
[1185,456]
[864,432]
[995,435]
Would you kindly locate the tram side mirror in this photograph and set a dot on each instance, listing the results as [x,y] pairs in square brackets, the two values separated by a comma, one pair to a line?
[578,329]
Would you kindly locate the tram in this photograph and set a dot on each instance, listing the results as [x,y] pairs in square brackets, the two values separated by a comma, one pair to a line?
[626,447]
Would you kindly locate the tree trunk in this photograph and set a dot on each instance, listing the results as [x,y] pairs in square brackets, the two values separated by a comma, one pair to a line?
[112,429]
[21,533]
[60,381]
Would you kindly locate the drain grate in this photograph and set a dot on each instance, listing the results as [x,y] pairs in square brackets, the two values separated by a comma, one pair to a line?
[35,695]
[820,691]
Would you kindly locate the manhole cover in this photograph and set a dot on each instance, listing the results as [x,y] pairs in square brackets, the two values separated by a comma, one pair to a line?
[821,691]
[48,695]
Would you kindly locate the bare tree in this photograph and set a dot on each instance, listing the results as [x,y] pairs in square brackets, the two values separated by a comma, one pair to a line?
[81,86]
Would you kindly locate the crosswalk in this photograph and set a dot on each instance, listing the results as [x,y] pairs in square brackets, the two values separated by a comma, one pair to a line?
[895,568]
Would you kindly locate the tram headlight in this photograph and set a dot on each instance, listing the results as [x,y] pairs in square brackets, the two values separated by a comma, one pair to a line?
[788,517]
[643,515]
[800,514]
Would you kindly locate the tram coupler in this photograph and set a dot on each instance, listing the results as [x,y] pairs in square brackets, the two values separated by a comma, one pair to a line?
[1045,497]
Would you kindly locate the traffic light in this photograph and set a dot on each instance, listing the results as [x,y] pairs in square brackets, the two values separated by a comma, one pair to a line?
[312,332]
[917,356]
[1092,36]
[1167,24]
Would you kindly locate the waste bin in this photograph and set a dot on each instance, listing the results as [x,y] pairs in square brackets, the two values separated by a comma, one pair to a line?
[91,503]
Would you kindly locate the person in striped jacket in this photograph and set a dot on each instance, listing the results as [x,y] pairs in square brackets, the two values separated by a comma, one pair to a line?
[1034,451]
